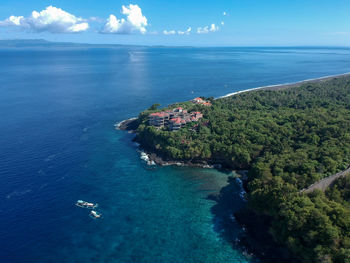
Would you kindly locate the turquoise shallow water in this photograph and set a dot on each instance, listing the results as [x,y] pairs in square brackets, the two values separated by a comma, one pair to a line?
[151,214]
[58,144]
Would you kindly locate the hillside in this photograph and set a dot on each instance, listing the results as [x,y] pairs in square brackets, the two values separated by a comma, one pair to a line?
[288,139]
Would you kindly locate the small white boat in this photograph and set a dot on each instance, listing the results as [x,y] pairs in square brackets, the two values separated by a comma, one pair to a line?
[95,215]
[84,204]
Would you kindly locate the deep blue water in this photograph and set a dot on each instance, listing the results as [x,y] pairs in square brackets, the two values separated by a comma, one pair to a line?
[58,144]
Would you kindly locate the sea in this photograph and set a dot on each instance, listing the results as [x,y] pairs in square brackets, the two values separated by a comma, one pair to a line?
[58,144]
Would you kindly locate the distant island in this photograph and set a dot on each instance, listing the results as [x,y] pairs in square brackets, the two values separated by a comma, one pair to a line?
[288,137]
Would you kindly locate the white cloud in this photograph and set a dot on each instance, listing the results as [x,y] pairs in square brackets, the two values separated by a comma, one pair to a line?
[222,23]
[186,32]
[207,29]
[170,32]
[134,22]
[96,19]
[179,32]
[51,19]
[224,13]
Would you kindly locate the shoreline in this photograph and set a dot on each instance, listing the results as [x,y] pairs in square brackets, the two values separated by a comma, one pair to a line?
[256,238]
[154,159]
[122,124]
[125,125]
[130,124]
[287,85]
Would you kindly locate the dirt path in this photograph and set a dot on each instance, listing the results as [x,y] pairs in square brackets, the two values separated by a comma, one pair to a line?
[325,182]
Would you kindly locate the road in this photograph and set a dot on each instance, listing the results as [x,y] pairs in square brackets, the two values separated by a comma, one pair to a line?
[325,182]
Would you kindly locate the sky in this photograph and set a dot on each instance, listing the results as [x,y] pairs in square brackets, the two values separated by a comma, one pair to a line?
[179,22]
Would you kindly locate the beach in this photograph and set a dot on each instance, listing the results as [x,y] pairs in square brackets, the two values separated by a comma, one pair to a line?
[287,85]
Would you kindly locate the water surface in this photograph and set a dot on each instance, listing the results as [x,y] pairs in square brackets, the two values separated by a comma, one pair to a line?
[58,144]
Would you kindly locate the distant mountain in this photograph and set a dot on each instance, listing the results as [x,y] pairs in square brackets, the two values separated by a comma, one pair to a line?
[34,43]
[40,43]
[31,42]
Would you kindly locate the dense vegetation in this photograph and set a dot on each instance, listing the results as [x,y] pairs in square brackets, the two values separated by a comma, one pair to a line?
[340,191]
[288,139]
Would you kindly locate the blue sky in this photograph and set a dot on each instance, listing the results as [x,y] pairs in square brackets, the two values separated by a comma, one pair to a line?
[170,22]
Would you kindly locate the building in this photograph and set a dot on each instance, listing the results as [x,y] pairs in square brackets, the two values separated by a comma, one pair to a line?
[173,119]
[197,115]
[201,101]
[176,124]
[159,119]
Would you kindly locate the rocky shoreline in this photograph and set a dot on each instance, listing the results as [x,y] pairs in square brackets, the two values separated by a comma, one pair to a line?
[127,125]
[152,158]
[131,124]
[257,239]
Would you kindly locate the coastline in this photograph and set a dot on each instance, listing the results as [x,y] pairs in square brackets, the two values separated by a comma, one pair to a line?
[287,85]
[153,159]
[126,125]
[256,232]
[131,124]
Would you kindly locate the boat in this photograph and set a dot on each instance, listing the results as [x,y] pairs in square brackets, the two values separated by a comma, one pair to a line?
[85,204]
[95,215]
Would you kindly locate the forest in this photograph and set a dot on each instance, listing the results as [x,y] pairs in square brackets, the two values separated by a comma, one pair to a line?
[287,139]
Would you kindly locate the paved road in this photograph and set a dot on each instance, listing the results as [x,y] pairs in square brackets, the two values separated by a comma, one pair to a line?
[325,182]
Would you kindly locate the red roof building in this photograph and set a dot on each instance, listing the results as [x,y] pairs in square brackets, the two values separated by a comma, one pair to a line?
[201,101]
[173,119]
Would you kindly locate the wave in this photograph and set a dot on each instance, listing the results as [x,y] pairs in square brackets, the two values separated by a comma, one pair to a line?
[118,124]
[18,193]
[285,84]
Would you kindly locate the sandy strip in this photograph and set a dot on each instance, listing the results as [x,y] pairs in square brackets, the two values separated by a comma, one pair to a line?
[287,85]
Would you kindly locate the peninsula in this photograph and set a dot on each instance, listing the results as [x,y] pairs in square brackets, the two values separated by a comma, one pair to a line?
[288,137]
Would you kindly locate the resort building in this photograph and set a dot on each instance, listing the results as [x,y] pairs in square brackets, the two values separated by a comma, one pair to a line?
[201,101]
[197,115]
[159,119]
[198,100]
[176,124]
[173,119]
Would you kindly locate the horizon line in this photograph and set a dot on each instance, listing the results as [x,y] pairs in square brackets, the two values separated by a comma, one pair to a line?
[162,45]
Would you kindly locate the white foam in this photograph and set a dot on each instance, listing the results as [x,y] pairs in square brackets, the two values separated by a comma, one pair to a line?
[117,125]
[144,157]
[282,84]
[151,163]
[242,192]
[18,193]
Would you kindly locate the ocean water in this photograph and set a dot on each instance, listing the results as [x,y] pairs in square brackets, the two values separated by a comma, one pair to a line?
[58,107]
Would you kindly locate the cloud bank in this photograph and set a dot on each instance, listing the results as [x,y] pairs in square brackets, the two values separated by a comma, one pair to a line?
[179,32]
[56,20]
[170,32]
[51,19]
[135,22]
[186,32]
[207,29]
